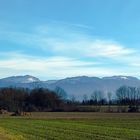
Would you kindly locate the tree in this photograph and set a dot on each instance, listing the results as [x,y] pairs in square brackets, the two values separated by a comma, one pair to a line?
[97,96]
[109,95]
[18,99]
[44,99]
[98,99]
[128,96]
[94,97]
[121,94]
[61,93]
[85,99]
[13,99]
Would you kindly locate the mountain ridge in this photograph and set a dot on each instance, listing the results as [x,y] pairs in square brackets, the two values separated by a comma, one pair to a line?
[74,86]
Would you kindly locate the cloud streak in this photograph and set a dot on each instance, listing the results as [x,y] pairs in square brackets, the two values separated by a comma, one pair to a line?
[55,67]
[52,66]
[63,41]
[71,53]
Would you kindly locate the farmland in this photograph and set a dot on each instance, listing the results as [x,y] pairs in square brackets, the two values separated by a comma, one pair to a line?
[71,126]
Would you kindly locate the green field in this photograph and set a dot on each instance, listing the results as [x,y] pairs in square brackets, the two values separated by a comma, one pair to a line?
[71,126]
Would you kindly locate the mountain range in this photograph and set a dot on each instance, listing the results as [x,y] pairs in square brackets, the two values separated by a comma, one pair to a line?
[74,86]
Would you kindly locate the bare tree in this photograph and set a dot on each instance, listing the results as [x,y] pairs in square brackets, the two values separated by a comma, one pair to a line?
[109,95]
[85,99]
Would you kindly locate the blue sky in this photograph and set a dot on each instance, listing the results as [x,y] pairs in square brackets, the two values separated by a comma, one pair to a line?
[53,39]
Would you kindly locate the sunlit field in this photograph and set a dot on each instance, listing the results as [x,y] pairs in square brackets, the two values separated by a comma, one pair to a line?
[71,126]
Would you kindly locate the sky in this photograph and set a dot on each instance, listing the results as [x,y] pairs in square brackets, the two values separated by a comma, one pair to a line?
[54,39]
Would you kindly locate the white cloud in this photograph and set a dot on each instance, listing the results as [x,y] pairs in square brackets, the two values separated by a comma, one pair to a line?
[91,48]
[68,43]
[55,67]
[71,46]
[108,49]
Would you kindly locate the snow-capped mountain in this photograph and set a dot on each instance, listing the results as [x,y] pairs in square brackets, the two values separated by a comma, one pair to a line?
[74,86]
[17,80]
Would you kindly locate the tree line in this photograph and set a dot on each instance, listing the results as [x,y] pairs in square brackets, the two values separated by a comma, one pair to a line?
[20,99]
[40,99]
[124,96]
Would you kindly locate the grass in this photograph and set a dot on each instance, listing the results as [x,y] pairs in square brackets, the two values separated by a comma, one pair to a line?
[71,126]
[7,135]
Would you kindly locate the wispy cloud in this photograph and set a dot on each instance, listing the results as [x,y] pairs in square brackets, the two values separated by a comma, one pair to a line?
[72,53]
[56,67]
[69,43]
[91,48]
[52,67]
